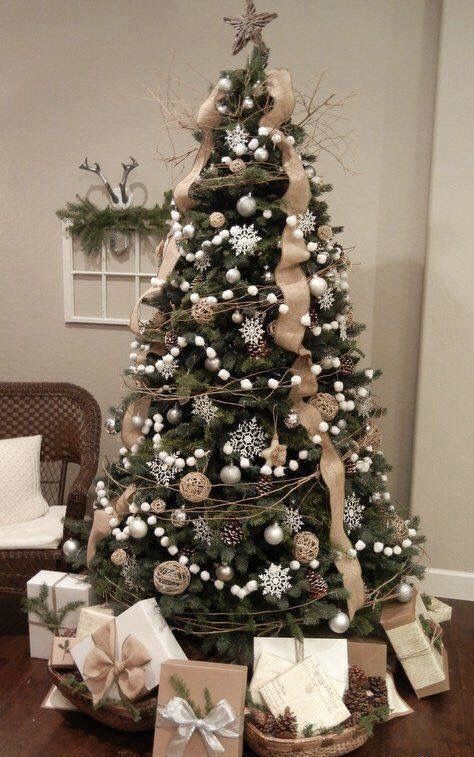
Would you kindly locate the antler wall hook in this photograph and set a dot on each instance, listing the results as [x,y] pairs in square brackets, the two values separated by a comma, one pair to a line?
[119,196]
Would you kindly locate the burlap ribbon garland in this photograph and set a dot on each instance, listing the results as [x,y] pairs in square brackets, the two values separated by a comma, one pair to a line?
[101,523]
[289,332]
[102,667]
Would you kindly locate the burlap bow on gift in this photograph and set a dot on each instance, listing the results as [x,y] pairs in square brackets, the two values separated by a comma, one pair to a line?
[178,714]
[102,668]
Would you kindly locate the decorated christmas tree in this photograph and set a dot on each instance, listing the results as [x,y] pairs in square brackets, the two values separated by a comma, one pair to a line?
[250,494]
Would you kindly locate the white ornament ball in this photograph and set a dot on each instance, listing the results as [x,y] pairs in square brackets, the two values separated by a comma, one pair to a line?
[404,592]
[230,475]
[378,546]
[247,103]
[224,84]
[233,276]
[273,534]
[188,231]
[246,206]
[318,286]
[261,155]
[253,144]
[237,317]
[138,528]
[339,623]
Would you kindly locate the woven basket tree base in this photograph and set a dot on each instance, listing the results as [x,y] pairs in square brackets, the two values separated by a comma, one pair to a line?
[113,715]
[316,746]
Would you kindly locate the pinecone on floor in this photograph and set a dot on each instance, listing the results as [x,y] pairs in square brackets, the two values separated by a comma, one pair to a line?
[357,702]
[347,366]
[350,467]
[285,725]
[231,533]
[264,485]
[357,678]
[260,350]
[263,719]
[378,687]
[317,585]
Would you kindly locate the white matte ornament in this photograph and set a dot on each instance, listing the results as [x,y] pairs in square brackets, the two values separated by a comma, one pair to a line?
[261,154]
[233,275]
[339,623]
[273,534]
[138,528]
[230,475]
[318,286]
[246,206]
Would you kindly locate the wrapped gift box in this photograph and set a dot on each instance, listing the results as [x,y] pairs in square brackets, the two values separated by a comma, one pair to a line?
[439,611]
[62,589]
[223,682]
[426,666]
[145,622]
[370,655]
[92,618]
[61,656]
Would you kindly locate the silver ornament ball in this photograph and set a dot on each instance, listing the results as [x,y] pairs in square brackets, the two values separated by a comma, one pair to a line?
[230,475]
[318,286]
[138,528]
[339,623]
[310,171]
[212,364]
[179,517]
[224,84]
[174,415]
[404,592]
[110,426]
[233,276]
[268,276]
[273,534]
[246,206]
[247,103]
[224,573]
[261,155]
[222,109]
[71,549]
[237,316]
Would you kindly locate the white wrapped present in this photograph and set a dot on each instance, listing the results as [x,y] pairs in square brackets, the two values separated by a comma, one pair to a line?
[62,588]
[141,624]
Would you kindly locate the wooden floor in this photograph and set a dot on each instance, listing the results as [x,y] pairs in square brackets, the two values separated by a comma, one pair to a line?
[440,726]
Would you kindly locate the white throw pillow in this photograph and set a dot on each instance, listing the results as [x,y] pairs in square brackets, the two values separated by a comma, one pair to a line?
[20,482]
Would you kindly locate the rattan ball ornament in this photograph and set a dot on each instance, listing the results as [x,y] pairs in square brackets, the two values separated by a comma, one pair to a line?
[399,527]
[305,547]
[327,405]
[171,577]
[195,487]
[237,165]
[325,233]
[203,311]
[118,557]
[158,505]
[217,219]
[372,437]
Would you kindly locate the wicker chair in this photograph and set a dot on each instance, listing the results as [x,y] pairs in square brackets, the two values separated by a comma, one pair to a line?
[68,418]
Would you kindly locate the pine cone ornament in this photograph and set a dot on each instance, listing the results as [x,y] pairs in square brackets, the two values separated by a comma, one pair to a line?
[285,725]
[260,350]
[231,533]
[378,687]
[347,366]
[171,339]
[350,467]
[357,678]
[264,485]
[317,585]
[263,719]
[313,314]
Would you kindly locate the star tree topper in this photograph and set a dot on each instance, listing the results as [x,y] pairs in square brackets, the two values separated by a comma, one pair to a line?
[248,27]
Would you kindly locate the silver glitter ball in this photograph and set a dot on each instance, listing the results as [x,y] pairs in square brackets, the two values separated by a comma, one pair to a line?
[110,426]
[339,623]
[246,206]
[174,415]
[237,316]
[224,573]
[71,549]
[247,103]
[230,475]
[404,592]
[273,534]
[261,155]
[212,364]
[233,276]
[224,84]
[222,108]
[292,420]
[268,276]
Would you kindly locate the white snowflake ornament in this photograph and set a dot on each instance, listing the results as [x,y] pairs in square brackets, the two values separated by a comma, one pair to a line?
[353,511]
[236,137]
[248,439]
[204,408]
[275,581]
[166,369]
[307,222]
[326,301]
[164,472]
[252,331]
[292,519]
[202,532]
[203,262]
[244,239]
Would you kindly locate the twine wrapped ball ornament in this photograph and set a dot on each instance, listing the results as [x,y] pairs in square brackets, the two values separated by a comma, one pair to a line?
[305,547]
[195,487]
[237,165]
[118,557]
[372,437]
[217,219]
[203,311]
[327,405]
[171,577]
[325,233]
[158,505]
[399,527]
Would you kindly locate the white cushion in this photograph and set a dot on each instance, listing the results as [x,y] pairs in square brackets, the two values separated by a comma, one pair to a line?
[41,533]
[20,480]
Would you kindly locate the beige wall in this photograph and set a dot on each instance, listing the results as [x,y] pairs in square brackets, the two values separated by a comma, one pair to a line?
[442,480]
[71,84]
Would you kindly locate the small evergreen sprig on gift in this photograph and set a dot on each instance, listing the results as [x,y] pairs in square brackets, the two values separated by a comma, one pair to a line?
[182,691]
[53,620]
[431,631]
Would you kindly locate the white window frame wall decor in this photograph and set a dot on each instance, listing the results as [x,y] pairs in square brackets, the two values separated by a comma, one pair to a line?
[70,272]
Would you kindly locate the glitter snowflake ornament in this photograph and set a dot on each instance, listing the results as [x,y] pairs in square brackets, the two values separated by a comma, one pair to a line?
[244,239]
[167,369]
[307,222]
[203,263]
[163,472]
[252,331]
[292,519]
[204,408]
[353,511]
[202,532]
[248,439]
[326,301]
[275,581]
[236,137]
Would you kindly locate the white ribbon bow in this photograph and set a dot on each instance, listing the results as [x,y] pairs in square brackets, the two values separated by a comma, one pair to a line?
[178,714]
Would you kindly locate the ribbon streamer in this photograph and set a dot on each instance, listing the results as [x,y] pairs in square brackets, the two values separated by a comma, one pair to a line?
[102,667]
[178,715]
[101,523]
[289,332]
